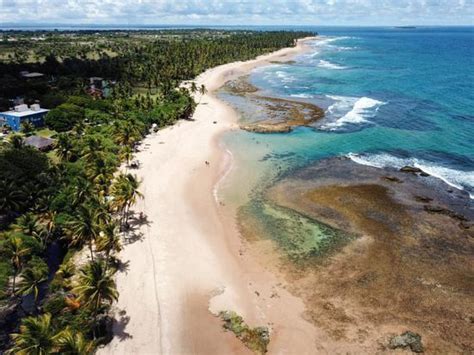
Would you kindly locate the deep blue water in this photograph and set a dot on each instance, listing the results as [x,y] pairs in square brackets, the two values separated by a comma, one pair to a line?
[392,97]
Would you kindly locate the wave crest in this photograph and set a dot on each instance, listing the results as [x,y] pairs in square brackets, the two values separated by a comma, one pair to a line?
[351,110]
[461,180]
[328,65]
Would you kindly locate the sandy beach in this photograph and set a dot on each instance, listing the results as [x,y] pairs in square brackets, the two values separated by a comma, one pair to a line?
[186,263]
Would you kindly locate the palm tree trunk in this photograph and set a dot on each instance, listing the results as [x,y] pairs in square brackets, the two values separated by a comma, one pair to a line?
[14,283]
[90,249]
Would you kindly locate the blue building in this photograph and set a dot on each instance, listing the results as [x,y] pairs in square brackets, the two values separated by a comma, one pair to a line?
[22,113]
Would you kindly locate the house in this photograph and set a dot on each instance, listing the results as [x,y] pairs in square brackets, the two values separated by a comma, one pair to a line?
[99,88]
[22,113]
[41,143]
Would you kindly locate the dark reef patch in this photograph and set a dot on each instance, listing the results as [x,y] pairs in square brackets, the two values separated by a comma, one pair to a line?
[410,266]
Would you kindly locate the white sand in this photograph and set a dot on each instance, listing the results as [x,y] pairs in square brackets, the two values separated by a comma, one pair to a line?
[187,263]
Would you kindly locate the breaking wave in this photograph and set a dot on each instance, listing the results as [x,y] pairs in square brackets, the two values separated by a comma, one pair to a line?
[461,180]
[351,110]
[328,65]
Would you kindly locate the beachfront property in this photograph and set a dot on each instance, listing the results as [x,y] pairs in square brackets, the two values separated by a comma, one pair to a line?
[22,113]
[99,88]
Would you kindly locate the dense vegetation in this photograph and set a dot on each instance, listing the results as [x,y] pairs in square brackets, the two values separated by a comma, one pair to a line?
[74,197]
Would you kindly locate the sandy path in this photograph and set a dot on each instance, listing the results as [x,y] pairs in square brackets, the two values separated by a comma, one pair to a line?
[187,263]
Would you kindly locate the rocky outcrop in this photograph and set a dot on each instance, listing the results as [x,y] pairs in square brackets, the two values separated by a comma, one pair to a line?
[407,340]
[256,339]
[413,170]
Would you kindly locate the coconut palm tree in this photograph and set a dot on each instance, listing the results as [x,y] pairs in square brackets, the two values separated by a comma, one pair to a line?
[96,285]
[27,224]
[84,227]
[194,89]
[202,91]
[72,342]
[27,128]
[125,192]
[126,154]
[127,133]
[83,189]
[36,336]
[64,147]
[109,240]
[93,148]
[16,141]
[49,223]
[17,252]
[12,197]
[31,279]
[100,171]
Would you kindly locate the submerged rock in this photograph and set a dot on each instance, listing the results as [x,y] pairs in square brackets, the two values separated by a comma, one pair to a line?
[256,339]
[407,340]
[411,169]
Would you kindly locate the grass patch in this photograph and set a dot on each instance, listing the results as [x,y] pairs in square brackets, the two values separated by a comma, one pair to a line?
[45,132]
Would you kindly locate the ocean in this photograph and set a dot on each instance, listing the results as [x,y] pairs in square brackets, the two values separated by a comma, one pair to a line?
[392,97]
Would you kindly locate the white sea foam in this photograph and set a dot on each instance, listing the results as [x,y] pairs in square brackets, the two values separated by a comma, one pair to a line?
[325,41]
[302,96]
[455,178]
[328,65]
[351,110]
[284,76]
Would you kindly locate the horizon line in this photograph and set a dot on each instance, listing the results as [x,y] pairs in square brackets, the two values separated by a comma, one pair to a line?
[49,24]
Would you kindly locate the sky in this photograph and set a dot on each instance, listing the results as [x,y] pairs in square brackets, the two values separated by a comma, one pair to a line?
[239,12]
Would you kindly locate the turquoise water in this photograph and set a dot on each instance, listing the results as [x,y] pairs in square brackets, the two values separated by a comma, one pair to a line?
[393,97]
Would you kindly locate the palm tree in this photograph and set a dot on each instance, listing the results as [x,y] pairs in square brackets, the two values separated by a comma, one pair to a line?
[82,191]
[96,285]
[27,128]
[31,279]
[93,148]
[17,253]
[109,240]
[127,133]
[49,221]
[84,228]
[126,154]
[12,197]
[194,89]
[125,193]
[36,336]
[202,91]
[16,141]
[72,342]
[27,224]
[64,147]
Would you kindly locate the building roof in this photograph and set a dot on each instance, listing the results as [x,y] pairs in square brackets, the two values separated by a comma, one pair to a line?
[39,142]
[25,113]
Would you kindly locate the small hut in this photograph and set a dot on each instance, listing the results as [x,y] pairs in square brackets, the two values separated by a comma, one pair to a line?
[40,143]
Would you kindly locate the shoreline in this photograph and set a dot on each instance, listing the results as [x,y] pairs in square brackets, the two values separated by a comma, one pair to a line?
[187,261]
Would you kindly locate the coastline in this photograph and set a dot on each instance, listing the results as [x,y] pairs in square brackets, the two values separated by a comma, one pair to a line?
[186,261]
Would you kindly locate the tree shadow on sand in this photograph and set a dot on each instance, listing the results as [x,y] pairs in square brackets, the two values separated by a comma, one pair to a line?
[120,325]
[131,231]
[123,266]
[137,220]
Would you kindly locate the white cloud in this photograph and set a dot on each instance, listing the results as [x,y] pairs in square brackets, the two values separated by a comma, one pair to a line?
[314,12]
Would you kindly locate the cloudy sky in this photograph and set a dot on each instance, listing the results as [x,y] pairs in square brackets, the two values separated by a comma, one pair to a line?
[240,12]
